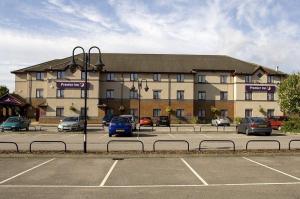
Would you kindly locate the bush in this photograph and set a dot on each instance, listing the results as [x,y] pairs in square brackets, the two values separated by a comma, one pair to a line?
[238,120]
[194,120]
[292,125]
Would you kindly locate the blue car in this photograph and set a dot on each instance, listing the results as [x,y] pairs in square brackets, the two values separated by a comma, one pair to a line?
[120,126]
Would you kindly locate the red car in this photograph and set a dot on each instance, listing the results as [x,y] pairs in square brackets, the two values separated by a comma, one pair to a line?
[277,121]
[146,121]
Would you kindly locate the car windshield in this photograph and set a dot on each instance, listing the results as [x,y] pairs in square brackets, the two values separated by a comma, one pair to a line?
[70,119]
[12,119]
[119,120]
[164,117]
[258,120]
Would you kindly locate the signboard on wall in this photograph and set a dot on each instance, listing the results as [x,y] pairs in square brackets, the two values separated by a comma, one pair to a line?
[64,85]
[255,88]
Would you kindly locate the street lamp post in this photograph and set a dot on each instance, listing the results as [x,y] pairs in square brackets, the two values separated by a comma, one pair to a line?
[86,62]
[140,85]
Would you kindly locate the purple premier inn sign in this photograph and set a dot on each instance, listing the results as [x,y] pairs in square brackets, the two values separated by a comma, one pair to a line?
[254,88]
[64,85]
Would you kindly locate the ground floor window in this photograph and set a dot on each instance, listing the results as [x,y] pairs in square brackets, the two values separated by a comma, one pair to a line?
[201,113]
[179,112]
[224,113]
[248,113]
[133,111]
[82,110]
[110,111]
[270,112]
[156,112]
[59,112]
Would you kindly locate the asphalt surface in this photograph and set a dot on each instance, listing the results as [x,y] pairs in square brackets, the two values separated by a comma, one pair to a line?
[266,177]
[97,140]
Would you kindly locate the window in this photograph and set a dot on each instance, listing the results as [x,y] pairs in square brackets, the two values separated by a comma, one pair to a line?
[60,93]
[83,75]
[179,112]
[156,94]
[201,79]
[259,75]
[248,95]
[110,77]
[270,79]
[224,95]
[82,93]
[201,95]
[270,96]
[180,77]
[156,77]
[133,111]
[133,77]
[133,94]
[39,93]
[156,112]
[180,95]
[223,79]
[109,94]
[59,112]
[248,79]
[201,113]
[224,113]
[60,74]
[82,110]
[39,76]
[110,111]
[270,112]
[248,113]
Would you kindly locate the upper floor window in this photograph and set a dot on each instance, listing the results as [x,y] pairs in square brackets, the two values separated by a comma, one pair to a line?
[156,77]
[201,78]
[133,76]
[201,113]
[60,93]
[180,77]
[248,112]
[60,74]
[133,94]
[82,93]
[156,94]
[224,95]
[83,75]
[109,93]
[270,96]
[59,112]
[180,95]
[270,112]
[248,79]
[39,93]
[248,95]
[201,95]
[179,112]
[110,77]
[224,79]
[39,75]
[270,79]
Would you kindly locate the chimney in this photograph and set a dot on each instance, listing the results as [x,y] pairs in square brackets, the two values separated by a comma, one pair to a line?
[277,67]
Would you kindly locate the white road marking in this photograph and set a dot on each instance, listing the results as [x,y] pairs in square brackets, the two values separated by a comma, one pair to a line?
[272,168]
[147,186]
[194,172]
[26,171]
[108,174]
[172,136]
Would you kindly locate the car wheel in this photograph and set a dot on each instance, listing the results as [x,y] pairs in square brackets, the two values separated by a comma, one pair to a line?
[109,135]
[27,128]
[247,132]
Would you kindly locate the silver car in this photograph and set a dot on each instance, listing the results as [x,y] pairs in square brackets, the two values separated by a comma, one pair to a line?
[71,124]
[220,121]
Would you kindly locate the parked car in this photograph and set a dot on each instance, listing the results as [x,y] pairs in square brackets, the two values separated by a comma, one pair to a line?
[71,124]
[106,119]
[120,125]
[220,121]
[146,121]
[163,121]
[253,125]
[277,121]
[15,123]
[132,120]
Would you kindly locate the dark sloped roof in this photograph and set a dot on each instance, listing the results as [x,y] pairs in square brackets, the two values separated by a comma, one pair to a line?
[157,63]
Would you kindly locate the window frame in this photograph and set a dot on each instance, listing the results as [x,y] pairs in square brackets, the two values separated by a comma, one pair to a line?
[248,94]
[203,113]
[203,92]
[134,77]
[180,77]
[159,94]
[134,96]
[224,79]
[39,75]
[250,111]
[60,74]
[247,78]
[180,94]
[110,77]
[61,111]
[39,93]
[272,98]
[60,93]
[203,79]
[83,75]
[156,77]
[181,111]
[111,91]
[158,111]
[270,79]
[222,95]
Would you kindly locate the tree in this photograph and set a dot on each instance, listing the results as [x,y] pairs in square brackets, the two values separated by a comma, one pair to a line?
[3,90]
[262,111]
[215,112]
[289,94]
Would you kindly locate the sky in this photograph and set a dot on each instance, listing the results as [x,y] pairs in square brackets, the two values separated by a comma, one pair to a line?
[265,32]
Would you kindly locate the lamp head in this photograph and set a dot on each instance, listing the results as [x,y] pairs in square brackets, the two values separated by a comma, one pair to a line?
[99,65]
[132,88]
[146,88]
[72,65]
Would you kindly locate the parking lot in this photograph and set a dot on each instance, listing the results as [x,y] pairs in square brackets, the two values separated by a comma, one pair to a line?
[97,140]
[186,177]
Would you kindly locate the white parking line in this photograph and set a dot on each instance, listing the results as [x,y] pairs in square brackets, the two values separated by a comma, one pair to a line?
[172,136]
[108,174]
[194,172]
[272,168]
[26,171]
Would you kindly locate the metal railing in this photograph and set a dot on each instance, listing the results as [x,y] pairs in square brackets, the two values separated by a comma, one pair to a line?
[291,143]
[233,144]
[263,141]
[107,144]
[30,146]
[156,141]
[17,147]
